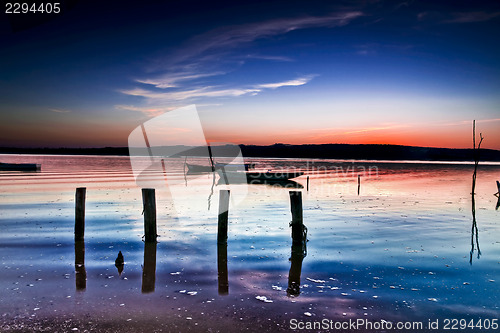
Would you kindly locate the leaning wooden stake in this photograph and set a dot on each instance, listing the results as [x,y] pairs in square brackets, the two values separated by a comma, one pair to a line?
[80,213]
[223,216]
[297,221]
[149,203]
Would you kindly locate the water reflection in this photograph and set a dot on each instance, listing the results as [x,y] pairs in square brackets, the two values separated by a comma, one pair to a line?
[80,272]
[149,267]
[271,182]
[498,204]
[222,275]
[120,263]
[474,232]
[299,252]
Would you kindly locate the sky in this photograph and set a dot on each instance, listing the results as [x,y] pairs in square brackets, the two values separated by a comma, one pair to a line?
[413,73]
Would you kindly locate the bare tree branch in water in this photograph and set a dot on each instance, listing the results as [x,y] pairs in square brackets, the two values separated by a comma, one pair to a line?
[474,231]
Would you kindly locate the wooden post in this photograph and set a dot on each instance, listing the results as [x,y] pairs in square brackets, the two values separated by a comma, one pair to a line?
[223,216]
[308,183]
[80,213]
[359,183]
[149,204]
[297,221]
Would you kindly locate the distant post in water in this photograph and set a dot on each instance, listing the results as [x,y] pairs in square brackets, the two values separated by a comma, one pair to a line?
[80,213]
[149,204]
[297,223]
[359,183]
[223,216]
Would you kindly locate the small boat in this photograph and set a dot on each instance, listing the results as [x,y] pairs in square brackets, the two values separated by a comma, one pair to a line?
[19,167]
[234,166]
[259,176]
[195,168]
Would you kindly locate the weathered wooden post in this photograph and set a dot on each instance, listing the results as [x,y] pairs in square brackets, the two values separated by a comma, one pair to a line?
[297,223]
[223,216]
[149,204]
[80,213]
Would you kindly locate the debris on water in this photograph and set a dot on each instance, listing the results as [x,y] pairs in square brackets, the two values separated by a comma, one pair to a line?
[182,291]
[344,294]
[263,299]
[466,283]
[315,281]
[375,296]
[277,288]
[432,273]
[175,273]
[309,314]
[490,280]
[335,288]
[432,299]
[192,293]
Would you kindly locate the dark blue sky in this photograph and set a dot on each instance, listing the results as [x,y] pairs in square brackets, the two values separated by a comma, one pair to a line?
[409,72]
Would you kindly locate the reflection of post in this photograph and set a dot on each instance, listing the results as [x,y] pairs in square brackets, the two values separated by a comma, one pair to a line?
[80,272]
[297,221]
[222,268]
[498,204]
[296,259]
[149,203]
[474,232]
[149,268]
[223,216]
[80,213]
[308,183]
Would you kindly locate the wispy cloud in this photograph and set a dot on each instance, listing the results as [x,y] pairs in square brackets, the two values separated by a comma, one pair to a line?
[192,68]
[472,17]
[60,110]
[290,83]
[456,17]
[173,80]
[209,92]
[230,37]
[147,110]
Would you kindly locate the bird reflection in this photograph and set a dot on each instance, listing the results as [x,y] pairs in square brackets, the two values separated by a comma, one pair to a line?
[80,272]
[120,263]
[299,252]
[222,275]
[149,267]
[498,204]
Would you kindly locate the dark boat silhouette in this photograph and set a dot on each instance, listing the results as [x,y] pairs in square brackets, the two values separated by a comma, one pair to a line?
[19,167]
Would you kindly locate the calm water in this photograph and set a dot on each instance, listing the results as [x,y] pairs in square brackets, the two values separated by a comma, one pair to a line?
[398,251]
